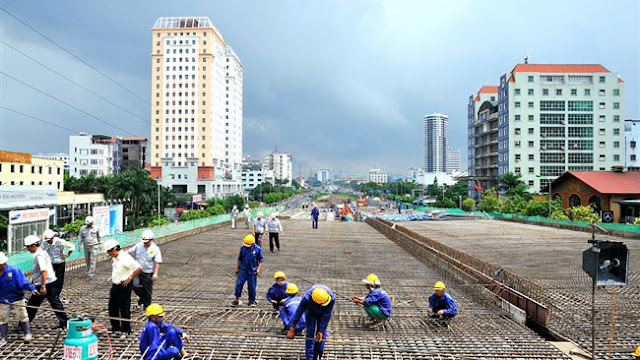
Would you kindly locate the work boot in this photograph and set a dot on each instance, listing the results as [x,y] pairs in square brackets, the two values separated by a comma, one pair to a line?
[26,327]
[4,331]
[236,302]
[253,304]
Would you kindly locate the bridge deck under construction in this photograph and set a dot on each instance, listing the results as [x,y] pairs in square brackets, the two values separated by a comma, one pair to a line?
[196,287]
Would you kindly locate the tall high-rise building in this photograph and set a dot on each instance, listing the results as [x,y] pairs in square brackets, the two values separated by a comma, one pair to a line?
[631,140]
[278,166]
[196,132]
[551,118]
[436,133]
[454,160]
[482,115]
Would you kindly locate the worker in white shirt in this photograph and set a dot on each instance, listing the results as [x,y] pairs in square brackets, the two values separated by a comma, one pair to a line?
[55,246]
[89,237]
[246,213]
[148,255]
[124,270]
[234,216]
[259,228]
[274,226]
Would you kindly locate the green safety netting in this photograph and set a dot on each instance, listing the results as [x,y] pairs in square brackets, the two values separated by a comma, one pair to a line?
[24,260]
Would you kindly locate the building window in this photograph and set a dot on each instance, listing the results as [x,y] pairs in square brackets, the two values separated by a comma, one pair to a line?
[616,118]
[530,79]
[530,144]
[580,105]
[517,117]
[517,131]
[587,92]
[531,183]
[574,91]
[602,79]
[552,105]
[616,131]
[545,91]
[558,92]
[530,131]
[530,117]
[517,91]
[616,144]
[530,92]
[530,104]
[616,105]
[616,157]
[531,156]
[616,92]
[574,200]
[531,170]
[602,92]
[517,104]
[633,157]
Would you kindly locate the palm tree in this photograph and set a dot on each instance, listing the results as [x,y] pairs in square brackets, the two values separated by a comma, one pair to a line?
[511,181]
[133,184]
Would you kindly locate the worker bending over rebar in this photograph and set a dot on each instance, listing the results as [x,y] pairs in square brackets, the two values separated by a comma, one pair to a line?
[317,306]
[289,307]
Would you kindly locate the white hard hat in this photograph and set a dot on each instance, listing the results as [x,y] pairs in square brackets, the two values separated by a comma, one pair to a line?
[273,215]
[88,220]
[31,240]
[235,207]
[48,234]
[147,235]
[259,213]
[3,258]
[110,244]
[246,206]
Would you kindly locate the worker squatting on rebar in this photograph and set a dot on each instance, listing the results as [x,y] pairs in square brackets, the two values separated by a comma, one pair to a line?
[258,228]
[377,303]
[161,341]
[149,257]
[317,306]
[54,246]
[250,260]
[13,285]
[124,270]
[441,304]
[277,292]
[89,236]
[288,309]
[44,278]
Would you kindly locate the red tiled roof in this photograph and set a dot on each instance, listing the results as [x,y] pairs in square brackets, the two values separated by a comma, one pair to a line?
[477,98]
[560,68]
[488,90]
[609,182]
[135,138]
[512,79]
[620,80]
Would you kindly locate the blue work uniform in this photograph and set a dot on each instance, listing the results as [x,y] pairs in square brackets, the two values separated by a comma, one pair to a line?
[167,346]
[250,258]
[278,293]
[288,310]
[444,302]
[315,213]
[13,285]
[379,298]
[316,316]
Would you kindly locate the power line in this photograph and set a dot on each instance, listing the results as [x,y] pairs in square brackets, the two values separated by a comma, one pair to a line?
[75,56]
[75,83]
[64,102]
[40,120]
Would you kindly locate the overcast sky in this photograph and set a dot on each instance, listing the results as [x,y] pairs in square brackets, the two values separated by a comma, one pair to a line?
[338,84]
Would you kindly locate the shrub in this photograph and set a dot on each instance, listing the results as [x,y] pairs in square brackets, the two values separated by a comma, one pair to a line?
[559,214]
[73,227]
[468,204]
[537,208]
[490,201]
[445,203]
[155,222]
[584,213]
[514,205]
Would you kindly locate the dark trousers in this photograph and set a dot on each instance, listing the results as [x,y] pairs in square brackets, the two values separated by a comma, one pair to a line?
[120,306]
[310,342]
[59,270]
[54,301]
[274,237]
[252,282]
[143,287]
[314,222]
[258,241]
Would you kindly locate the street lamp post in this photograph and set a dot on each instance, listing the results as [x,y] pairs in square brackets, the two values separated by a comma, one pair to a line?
[159,188]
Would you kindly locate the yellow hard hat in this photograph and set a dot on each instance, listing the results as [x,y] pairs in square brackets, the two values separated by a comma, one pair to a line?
[439,286]
[321,296]
[372,279]
[279,274]
[637,352]
[292,289]
[154,309]
[249,240]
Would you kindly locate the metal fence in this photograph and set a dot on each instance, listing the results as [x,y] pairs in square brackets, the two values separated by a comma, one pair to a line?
[24,260]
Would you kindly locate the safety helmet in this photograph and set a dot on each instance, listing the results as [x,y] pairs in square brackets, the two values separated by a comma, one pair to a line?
[279,274]
[31,240]
[321,296]
[154,309]
[48,234]
[147,235]
[246,206]
[235,207]
[372,279]
[439,286]
[110,244]
[637,352]
[4,259]
[273,215]
[249,240]
[88,220]
[292,289]
[259,213]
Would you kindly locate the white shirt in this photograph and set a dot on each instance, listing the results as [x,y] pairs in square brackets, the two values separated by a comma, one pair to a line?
[147,257]
[122,267]
[42,262]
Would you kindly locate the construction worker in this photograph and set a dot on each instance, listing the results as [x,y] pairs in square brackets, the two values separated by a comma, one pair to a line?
[89,236]
[155,346]
[44,278]
[636,353]
[246,214]
[13,285]
[234,216]
[148,255]
[277,292]
[259,228]
[315,213]
[441,304]
[289,308]
[54,246]
[123,270]
[316,305]
[250,260]
[274,226]
[377,303]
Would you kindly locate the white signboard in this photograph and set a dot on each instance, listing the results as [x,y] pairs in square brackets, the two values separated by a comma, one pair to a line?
[101,217]
[15,197]
[197,198]
[25,216]
[115,219]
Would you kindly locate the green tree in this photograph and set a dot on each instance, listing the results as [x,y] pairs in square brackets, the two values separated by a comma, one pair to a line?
[445,203]
[511,181]
[584,213]
[490,201]
[133,184]
[73,227]
[236,200]
[468,204]
[514,205]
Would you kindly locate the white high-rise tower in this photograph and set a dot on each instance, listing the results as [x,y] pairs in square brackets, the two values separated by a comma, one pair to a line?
[436,132]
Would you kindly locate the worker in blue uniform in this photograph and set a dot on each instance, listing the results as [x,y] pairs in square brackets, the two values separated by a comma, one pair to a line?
[277,292]
[155,346]
[250,260]
[441,304]
[315,213]
[316,305]
[377,304]
[13,285]
[289,308]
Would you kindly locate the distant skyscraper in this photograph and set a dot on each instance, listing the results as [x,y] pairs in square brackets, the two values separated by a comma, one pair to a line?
[436,132]
[454,160]
[279,166]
